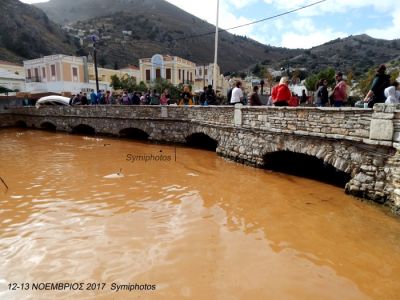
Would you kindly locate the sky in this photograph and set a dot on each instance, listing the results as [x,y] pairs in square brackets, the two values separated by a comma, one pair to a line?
[306,28]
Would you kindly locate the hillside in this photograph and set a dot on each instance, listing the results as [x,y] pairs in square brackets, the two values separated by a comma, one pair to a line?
[27,32]
[133,29]
[356,53]
[157,27]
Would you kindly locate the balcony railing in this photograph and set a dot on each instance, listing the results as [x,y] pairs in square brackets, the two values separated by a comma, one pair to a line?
[33,79]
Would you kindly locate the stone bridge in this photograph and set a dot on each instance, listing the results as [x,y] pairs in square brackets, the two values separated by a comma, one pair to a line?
[363,143]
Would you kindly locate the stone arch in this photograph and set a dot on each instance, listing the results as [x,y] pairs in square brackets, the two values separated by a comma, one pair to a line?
[21,124]
[83,129]
[134,133]
[329,152]
[46,125]
[305,165]
[202,141]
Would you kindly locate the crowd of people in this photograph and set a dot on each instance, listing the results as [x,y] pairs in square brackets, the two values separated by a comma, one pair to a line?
[381,91]
[186,97]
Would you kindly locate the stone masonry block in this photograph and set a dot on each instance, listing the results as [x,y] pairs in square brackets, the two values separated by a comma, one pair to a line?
[381,130]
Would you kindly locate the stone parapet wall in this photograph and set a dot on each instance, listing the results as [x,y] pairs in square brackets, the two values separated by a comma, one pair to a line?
[222,115]
[345,123]
[6,120]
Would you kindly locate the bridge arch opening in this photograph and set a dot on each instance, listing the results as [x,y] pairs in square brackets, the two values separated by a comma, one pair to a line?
[307,166]
[84,129]
[21,124]
[201,141]
[134,133]
[48,126]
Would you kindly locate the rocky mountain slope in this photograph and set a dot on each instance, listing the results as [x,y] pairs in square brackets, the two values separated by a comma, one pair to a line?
[133,29]
[157,27]
[26,32]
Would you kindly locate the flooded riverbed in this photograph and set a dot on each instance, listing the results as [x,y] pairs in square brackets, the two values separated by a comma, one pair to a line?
[129,220]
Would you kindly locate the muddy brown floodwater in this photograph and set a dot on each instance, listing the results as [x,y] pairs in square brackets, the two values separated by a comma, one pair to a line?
[199,227]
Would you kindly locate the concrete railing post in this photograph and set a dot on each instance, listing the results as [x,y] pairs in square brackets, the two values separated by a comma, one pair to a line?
[237,118]
[382,127]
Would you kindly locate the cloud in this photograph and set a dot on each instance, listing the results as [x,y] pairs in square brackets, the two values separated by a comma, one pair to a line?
[228,15]
[391,32]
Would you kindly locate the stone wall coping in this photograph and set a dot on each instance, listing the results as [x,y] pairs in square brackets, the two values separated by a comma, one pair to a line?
[378,143]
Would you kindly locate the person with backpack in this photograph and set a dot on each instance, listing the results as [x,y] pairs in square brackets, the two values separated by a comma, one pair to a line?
[154,98]
[203,97]
[211,98]
[379,84]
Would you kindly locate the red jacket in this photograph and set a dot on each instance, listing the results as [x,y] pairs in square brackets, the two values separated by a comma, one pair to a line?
[281,92]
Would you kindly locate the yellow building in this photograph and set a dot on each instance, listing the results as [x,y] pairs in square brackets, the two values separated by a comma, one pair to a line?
[174,69]
[104,74]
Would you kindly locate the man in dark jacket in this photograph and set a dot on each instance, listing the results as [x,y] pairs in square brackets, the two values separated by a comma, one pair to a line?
[210,96]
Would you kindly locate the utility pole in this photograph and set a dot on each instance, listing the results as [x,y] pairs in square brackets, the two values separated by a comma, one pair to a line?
[216,51]
[94,39]
[204,75]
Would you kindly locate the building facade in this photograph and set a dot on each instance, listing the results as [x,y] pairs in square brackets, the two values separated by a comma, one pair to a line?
[59,74]
[12,76]
[174,69]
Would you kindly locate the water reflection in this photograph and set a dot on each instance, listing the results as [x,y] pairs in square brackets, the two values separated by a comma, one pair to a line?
[198,228]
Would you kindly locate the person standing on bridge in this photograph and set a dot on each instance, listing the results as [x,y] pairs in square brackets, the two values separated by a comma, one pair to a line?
[93,98]
[377,92]
[254,97]
[237,94]
[281,93]
[339,93]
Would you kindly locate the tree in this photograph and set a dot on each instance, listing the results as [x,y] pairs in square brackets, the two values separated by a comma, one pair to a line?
[365,83]
[102,61]
[311,82]
[328,74]
[350,77]
[256,70]
[115,82]
[142,87]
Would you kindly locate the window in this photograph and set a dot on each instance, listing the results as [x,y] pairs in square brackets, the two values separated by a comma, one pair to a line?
[183,76]
[158,73]
[53,70]
[36,73]
[191,76]
[44,72]
[74,74]
[168,73]
[147,75]
[205,72]
[29,74]
[180,74]
[200,72]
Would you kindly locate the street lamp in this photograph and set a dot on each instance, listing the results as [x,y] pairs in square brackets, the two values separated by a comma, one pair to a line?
[216,51]
[94,40]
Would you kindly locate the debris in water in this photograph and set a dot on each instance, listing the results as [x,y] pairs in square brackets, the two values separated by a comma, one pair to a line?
[115,175]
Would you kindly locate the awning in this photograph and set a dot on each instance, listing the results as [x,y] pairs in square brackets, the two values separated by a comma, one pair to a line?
[4,90]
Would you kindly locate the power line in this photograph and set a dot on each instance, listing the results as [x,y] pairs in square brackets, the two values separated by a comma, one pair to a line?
[251,23]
